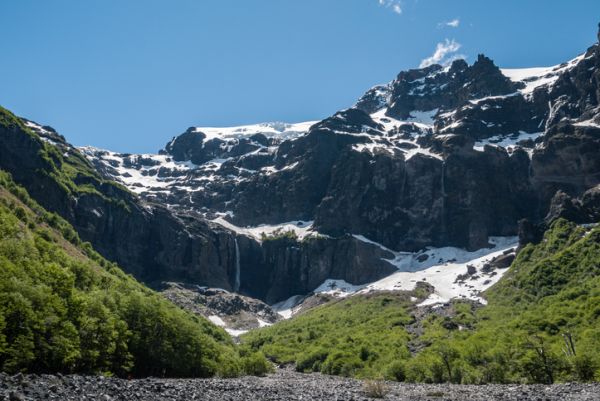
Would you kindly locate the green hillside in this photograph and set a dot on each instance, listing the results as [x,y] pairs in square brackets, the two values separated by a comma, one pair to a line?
[541,325]
[63,308]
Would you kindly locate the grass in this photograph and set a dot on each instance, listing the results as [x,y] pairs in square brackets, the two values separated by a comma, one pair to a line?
[375,388]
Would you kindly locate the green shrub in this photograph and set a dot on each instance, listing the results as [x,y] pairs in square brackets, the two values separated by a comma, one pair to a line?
[585,367]
[312,361]
[396,371]
[256,364]
[341,363]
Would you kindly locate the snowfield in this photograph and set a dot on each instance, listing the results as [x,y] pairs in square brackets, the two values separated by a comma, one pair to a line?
[269,129]
[534,78]
[454,273]
[446,270]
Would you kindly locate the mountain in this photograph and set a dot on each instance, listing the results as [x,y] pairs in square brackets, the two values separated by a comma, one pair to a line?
[440,156]
[442,164]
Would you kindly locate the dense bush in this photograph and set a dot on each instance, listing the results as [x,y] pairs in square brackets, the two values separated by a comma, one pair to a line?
[353,337]
[255,364]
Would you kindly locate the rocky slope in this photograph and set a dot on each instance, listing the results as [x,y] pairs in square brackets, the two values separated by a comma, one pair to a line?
[284,385]
[236,313]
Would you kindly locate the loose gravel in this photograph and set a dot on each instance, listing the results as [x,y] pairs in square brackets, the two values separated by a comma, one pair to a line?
[283,385]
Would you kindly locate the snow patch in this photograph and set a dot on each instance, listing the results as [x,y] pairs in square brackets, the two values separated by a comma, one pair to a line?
[337,288]
[444,268]
[301,228]
[289,307]
[539,76]
[508,142]
[269,129]
[217,321]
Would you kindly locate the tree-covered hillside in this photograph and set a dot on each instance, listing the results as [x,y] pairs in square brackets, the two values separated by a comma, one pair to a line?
[541,324]
[64,308]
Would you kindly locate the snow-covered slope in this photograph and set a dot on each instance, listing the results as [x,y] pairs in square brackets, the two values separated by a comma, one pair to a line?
[536,77]
[280,130]
[452,272]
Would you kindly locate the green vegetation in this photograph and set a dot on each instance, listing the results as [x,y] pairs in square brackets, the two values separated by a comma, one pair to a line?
[358,336]
[69,169]
[285,236]
[541,324]
[9,120]
[63,308]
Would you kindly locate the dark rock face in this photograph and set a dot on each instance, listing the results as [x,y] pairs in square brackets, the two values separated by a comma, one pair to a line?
[435,88]
[495,116]
[187,145]
[291,193]
[568,160]
[285,267]
[582,210]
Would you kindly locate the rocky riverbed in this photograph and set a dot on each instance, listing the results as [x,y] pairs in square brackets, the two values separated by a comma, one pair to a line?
[283,385]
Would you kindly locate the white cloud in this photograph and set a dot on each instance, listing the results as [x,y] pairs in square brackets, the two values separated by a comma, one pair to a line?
[445,53]
[454,23]
[394,5]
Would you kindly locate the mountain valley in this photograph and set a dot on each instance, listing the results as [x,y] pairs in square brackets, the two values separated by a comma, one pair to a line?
[441,229]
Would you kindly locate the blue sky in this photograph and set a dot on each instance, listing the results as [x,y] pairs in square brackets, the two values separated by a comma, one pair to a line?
[129,75]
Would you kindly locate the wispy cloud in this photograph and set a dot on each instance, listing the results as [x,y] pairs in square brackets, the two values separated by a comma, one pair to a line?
[445,53]
[453,24]
[394,5]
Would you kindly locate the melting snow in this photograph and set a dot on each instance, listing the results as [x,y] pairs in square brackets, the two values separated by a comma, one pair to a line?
[587,123]
[217,320]
[422,120]
[540,76]
[139,177]
[337,288]
[299,227]
[289,307]
[506,141]
[283,130]
[444,268]
[235,333]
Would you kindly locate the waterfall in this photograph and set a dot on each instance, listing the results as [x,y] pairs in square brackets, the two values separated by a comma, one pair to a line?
[443,193]
[236,284]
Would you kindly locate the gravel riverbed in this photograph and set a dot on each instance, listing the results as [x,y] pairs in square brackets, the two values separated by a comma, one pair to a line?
[282,385]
